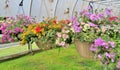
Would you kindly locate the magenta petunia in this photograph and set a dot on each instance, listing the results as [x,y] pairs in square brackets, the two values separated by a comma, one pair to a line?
[93,25]
[94,17]
[98,42]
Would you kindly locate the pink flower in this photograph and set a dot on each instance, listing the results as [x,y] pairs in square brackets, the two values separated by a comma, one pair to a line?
[59,34]
[65,36]
[99,56]
[112,44]
[61,43]
[104,29]
[93,25]
[114,18]
[118,64]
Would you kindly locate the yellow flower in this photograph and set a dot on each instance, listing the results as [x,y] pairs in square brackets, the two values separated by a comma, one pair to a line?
[23,42]
[33,30]
[30,26]
[42,30]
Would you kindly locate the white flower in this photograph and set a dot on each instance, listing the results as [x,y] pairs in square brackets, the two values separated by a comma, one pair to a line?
[69,24]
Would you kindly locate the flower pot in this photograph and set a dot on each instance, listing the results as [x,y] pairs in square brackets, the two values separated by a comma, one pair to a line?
[44,46]
[83,49]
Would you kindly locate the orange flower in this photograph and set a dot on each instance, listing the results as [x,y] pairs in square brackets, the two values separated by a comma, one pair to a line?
[67,21]
[38,29]
[54,21]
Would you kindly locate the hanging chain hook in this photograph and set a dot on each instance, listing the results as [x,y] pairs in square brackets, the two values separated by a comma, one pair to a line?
[74,7]
[21,3]
[56,8]
[91,7]
[7,3]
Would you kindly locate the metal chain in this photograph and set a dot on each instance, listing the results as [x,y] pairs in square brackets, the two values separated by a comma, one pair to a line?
[74,7]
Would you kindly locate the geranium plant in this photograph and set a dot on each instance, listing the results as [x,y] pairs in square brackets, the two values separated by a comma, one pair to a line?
[43,31]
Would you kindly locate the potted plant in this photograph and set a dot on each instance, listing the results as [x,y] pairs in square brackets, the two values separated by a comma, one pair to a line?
[89,26]
[12,28]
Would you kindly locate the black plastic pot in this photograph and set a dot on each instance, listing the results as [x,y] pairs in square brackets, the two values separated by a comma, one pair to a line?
[0,32]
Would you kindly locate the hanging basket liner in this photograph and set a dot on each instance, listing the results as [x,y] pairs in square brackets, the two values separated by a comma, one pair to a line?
[44,46]
[83,49]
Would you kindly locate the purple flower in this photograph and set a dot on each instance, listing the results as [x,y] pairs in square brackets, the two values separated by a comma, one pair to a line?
[100,16]
[76,26]
[74,19]
[106,62]
[108,11]
[98,42]
[118,64]
[77,29]
[3,39]
[112,44]
[28,18]
[93,48]
[76,23]
[3,27]
[112,56]
[107,55]
[11,40]
[93,25]
[99,56]
[94,17]
[17,30]
[87,14]
[9,31]
[105,45]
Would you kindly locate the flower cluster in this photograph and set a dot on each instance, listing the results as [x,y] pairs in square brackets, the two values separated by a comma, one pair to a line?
[104,51]
[12,27]
[84,31]
[32,33]
[64,38]
[42,31]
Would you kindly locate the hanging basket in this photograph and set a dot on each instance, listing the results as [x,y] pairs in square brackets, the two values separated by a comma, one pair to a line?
[44,46]
[83,49]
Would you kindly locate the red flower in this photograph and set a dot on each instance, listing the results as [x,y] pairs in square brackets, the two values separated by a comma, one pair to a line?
[54,21]
[113,18]
[38,29]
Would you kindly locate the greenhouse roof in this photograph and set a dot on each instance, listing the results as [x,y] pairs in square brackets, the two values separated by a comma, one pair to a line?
[115,3]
